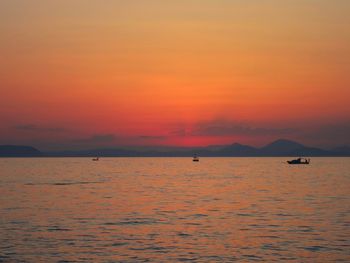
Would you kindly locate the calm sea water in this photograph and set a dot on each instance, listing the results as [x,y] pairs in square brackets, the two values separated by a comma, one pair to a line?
[172,210]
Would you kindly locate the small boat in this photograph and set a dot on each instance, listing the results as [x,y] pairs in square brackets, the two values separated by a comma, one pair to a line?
[299,161]
[195,158]
[96,159]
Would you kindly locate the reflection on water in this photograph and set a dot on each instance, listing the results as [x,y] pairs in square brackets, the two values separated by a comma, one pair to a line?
[172,209]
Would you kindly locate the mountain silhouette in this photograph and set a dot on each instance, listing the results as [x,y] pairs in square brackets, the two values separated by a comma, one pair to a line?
[278,148]
[342,151]
[18,151]
[238,149]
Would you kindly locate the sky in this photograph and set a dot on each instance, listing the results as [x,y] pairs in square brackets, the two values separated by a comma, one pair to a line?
[77,74]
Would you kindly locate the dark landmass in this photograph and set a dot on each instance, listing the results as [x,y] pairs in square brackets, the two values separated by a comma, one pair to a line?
[19,151]
[345,150]
[279,148]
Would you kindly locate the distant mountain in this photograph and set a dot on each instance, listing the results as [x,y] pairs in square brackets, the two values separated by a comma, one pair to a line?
[284,147]
[109,152]
[310,151]
[237,149]
[18,151]
[280,147]
[342,151]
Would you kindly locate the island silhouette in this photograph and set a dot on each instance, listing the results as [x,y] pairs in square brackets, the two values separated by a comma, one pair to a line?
[278,148]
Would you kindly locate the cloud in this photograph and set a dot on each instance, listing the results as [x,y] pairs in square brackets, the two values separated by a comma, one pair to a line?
[98,138]
[36,128]
[338,133]
[179,132]
[229,128]
[150,137]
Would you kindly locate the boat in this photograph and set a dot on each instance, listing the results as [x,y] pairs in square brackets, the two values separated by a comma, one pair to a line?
[299,161]
[195,158]
[96,159]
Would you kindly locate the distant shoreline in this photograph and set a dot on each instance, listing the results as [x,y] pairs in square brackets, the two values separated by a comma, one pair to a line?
[278,148]
[89,157]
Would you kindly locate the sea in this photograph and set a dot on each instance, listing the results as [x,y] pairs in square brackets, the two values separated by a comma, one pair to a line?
[174,210]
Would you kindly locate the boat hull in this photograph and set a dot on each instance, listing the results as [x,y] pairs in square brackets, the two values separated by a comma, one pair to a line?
[291,162]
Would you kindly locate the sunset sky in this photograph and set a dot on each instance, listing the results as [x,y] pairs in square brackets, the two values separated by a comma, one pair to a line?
[77,74]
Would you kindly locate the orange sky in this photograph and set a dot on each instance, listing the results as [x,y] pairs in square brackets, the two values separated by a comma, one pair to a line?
[195,72]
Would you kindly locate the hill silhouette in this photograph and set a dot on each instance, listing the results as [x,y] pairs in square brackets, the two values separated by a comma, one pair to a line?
[278,148]
[18,151]
[238,149]
[344,150]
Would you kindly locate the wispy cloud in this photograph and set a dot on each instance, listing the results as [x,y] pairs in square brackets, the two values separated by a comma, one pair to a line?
[230,128]
[37,128]
[335,133]
[98,138]
[179,132]
[152,137]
